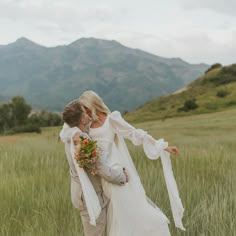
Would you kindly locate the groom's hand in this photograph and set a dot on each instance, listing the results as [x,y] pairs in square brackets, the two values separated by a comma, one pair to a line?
[126,175]
[115,174]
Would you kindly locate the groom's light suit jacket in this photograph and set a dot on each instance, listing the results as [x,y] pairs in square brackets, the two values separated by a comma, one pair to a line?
[115,176]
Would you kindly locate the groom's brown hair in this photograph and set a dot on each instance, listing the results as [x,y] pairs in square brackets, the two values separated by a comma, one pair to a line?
[72,113]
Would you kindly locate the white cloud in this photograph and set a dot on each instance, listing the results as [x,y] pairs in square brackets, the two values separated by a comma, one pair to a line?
[222,6]
[200,31]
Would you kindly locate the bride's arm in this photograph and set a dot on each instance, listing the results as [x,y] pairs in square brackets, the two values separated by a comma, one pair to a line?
[151,146]
[114,175]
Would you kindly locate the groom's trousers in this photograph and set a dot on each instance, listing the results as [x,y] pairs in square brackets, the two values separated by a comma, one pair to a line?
[99,229]
[113,175]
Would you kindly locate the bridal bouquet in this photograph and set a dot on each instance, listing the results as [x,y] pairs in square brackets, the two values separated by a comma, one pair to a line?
[87,154]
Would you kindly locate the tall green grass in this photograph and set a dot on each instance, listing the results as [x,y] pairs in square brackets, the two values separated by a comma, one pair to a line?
[35,182]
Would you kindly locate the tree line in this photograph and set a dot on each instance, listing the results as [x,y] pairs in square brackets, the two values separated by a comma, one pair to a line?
[17,116]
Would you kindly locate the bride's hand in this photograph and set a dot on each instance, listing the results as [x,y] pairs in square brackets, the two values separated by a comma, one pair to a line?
[173,150]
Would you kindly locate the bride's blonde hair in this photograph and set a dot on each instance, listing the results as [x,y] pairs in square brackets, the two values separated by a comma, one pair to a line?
[92,101]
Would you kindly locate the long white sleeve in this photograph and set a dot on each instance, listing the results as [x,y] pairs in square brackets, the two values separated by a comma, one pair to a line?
[153,149]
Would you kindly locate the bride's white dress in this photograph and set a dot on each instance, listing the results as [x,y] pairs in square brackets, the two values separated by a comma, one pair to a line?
[130,212]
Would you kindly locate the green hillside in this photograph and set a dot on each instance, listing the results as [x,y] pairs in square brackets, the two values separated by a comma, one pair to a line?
[214,91]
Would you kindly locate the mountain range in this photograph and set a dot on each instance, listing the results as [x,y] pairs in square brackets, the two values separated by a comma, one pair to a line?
[50,77]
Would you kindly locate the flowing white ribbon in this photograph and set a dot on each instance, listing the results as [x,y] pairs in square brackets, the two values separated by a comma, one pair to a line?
[90,196]
[175,201]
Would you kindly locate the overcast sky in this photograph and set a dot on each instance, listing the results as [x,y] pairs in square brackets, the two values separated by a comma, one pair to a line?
[194,30]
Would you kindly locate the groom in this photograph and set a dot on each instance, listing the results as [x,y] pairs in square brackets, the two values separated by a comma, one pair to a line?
[74,115]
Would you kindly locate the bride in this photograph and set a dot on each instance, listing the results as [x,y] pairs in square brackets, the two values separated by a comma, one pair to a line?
[130,211]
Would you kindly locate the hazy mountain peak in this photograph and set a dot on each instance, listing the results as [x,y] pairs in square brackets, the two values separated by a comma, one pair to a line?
[24,42]
[94,42]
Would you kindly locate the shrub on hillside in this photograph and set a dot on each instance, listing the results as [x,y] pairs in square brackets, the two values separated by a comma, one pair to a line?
[214,66]
[222,79]
[222,93]
[189,104]
[230,103]
[231,70]
[226,75]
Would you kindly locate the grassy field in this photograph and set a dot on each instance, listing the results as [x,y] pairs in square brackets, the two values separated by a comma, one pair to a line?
[35,184]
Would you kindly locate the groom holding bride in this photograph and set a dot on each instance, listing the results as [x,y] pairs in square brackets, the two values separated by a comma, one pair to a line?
[75,116]
[114,200]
